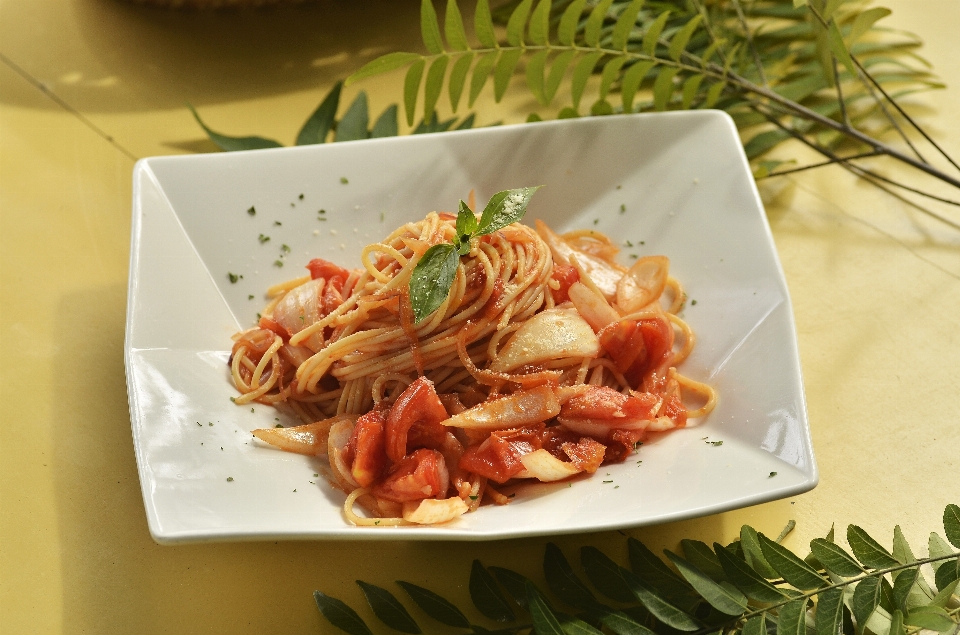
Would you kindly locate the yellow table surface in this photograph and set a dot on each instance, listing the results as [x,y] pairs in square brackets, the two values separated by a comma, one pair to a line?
[88,86]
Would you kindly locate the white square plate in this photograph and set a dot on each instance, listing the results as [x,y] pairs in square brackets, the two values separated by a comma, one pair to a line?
[687,193]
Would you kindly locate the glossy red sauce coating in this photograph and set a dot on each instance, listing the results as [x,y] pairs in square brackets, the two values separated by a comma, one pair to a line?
[366,450]
[498,457]
[605,403]
[566,276]
[269,324]
[422,474]
[414,420]
[320,268]
[638,346]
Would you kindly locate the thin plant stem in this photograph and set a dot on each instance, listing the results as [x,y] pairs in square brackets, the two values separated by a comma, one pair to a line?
[862,75]
[811,166]
[749,37]
[843,106]
[903,113]
[809,594]
[860,171]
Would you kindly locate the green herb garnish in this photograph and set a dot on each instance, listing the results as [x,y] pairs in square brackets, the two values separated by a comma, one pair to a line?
[229,479]
[232,277]
[252,211]
[344,180]
[263,238]
[433,276]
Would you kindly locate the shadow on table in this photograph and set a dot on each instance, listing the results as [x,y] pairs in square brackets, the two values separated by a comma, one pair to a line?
[117,580]
[113,56]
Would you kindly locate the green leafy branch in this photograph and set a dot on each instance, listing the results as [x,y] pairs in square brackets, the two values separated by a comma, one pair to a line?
[323,124]
[820,71]
[753,586]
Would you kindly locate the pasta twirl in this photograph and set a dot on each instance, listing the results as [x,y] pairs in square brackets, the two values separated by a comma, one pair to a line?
[546,360]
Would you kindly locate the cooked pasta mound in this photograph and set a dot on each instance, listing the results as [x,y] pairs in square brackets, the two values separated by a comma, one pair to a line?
[546,360]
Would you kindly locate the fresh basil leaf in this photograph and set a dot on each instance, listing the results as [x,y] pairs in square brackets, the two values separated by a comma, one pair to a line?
[486,595]
[432,278]
[317,126]
[340,615]
[793,569]
[951,524]
[233,144]
[466,223]
[563,581]
[605,575]
[544,620]
[867,550]
[435,606]
[353,124]
[835,558]
[386,125]
[723,596]
[388,609]
[504,208]
[514,583]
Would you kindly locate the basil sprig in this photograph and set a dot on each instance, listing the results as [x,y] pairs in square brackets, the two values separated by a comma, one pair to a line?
[433,276]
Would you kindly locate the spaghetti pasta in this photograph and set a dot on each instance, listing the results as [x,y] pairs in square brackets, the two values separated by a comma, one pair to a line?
[546,359]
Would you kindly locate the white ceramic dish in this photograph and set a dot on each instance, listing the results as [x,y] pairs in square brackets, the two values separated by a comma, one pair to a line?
[687,192]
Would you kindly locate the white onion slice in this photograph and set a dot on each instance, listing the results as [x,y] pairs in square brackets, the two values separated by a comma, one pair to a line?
[592,306]
[542,465]
[551,334]
[522,408]
[643,283]
[431,511]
